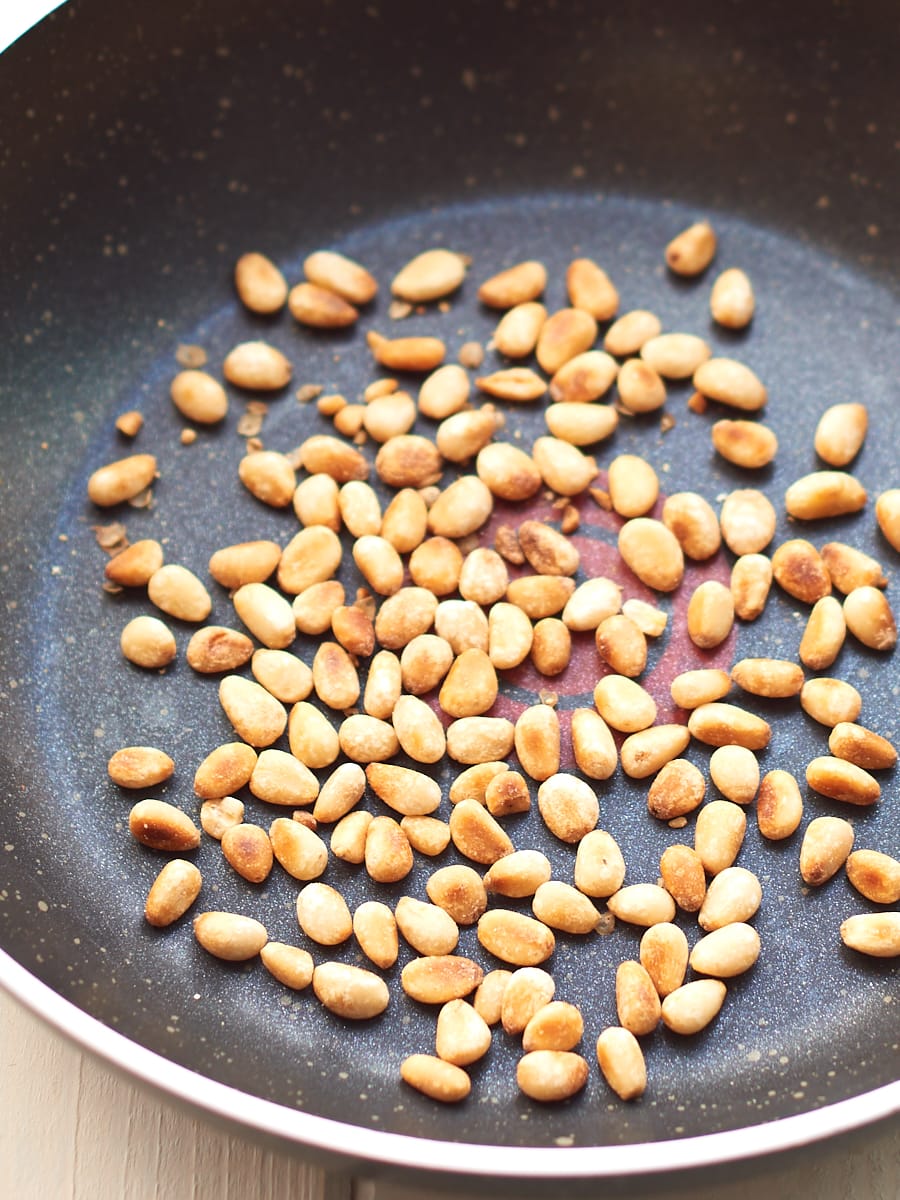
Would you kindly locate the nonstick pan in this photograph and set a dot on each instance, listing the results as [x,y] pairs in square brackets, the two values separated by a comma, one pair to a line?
[144,148]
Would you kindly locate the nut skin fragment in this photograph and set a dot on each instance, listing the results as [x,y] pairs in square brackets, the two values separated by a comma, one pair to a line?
[875,934]
[229,936]
[172,893]
[826,846]
[621,1061]
[779,805]
[435,1078]
[162,826]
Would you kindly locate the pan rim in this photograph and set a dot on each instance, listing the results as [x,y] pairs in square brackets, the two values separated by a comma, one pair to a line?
[372,1147]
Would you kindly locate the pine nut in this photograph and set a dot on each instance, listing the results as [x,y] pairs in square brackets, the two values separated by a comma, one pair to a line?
[484,577]
[172,893]
[527,992]
[876,934]
[556,1026]
[733,895]
[798,568]
[229,936]
[751,579]
[282,674]
[462,624]
[551,1075]
[745,443]
[311,556]
[581,424]
[405,521]
[121,480]
[348,838]
[365,739]
[279,778]
[375,930]
[584,378]
[515,384]
[257,367]
[320,308]
[516,285]
[719,724]
[731,301]
[590,288]
[510,635]
[830,701]
[462,1035]
[429,276]
[693,1006]
[565,333]
[388,856]
[826,846]
[678,789]
[563,907]
[770,677]
[824,494]
[887,514]
[652,552]
[224,770]
[324,455]
[162,826]
[664,956]
[405,615]
[519,874]
[710,614]
[515,938]
[133,566]
[641,388]
[341,275]
[461,436]
[648,751]
[314,607]
[875,876]
[622,645]
[748,521]
[407,353]
[439,1080]
[591,603]
[675,355]
[139,767]
[488,1000]
[824,634]
[592,744]
[508,471]
[537,741]
[779,805]
[323,915]
[290,965]
[730,382]
[694,523]
[350,992]
[418,729]
[259,283]
[735,772]
[479,739]
[681,870]
[311,736]
[389,416]
[428,928]
[726,952]
[428,835]
[599,865]
[518,330]
[623,704]
[642,904]
[461,508]
[563,467]
[633,485]
[423,664]
[408,792]
[629,333]
[301,852]
[444,392]
[470,687]
[840,433]
[719,834]
[459,891]
[507,793]
[476,834]
[691,252]
[179,593]
[637,1000]
[870,619]
[254,713]
[862,746]
[439,978]
[547,552]
[842,780]
[690,689]
[849,568]
[199,397]
[621,1061]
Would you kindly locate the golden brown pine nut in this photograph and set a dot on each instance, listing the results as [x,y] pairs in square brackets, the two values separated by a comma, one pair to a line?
[829,701]
[719,724]
[341,275]
[652,552]
[745,443]
[350,992]
[731,301]
[537,741]
[862,746]
[887,513]
[563,467]
[692,250]
[648,751]
[875,876]
[229,936]
[840,433]
[751,579]
[642,904]
[826,846]
[735,772]
[518,874]
[628,334]
[290,965]
[824,494]
[172,893]
[869,618]
[565,333]
[622,1062]
[637,1000]
[599,865]
[824,634]
[121,480]
[719,834]
[681,870]
[770,677]
[693,1006]
[842,780]
[690,689]
[518,330]
[514,938]
[675,355]
[516,285]
[551,1075]
[664,956]
[849,568]
[435,1078]
[726,952]
[747,520]
[733,895]
[694,523]
[592,744]
[678,789]
[623,704]
[139,767]
[429,276]
[876,934]
[710,614]
[563,907]
[633,485]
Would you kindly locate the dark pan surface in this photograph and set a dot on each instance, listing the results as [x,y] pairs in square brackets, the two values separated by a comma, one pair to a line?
[140,160]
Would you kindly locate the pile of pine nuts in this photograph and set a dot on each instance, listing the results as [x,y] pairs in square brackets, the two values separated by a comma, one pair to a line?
[436,622]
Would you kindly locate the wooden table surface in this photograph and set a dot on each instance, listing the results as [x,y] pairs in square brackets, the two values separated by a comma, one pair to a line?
[70,1129]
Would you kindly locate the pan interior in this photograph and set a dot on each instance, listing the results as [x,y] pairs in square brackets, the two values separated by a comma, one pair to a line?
[811,1024]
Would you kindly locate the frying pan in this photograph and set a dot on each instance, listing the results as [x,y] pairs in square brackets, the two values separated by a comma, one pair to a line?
[144,149]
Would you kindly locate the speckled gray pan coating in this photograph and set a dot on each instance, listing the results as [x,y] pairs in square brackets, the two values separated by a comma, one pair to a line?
[141,150]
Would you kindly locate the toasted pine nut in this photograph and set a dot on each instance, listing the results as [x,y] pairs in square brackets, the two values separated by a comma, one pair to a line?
[599,865]
[527,991]
[642,904]
[282,674]
[480,739]
[510,635]
[311,736]
[690,689]
[840,433]
[341,275]
[719,724]
[824,634]
[799,569]
[710,614]
[850,568]
[259,283]
[428,928]
[519,384]
[516,285]
[637,1000]
[461,508]
[563,907]
[435,1078]
[621,645]
[567,332]
[133,566]
[458,890]
[172,892]
[461,436]
[388,855]
[537,741]
[518,330]
[591,603]
[563,467]
[290,965]
[590,288]
[179,593]
[581,424]
[830,701]
[551,1075]
[484,577]
[719,834]
[733,895]
[887,514]
[842,780]
[826,846]
[403,616]
[462,1035]
[622,1062]
[300,851]
[875,876]
[518,874]
[439,978]
[824,494]
[745,443]
[319,307]
[350,992]
[770,677]
[664,956]
[735,772]
[779,805]
[408,461]
[870,619]
[556,1026]
[314,607]
[476,834]
[648,751]
[593,744]
[311,556]
[876,934]
[675,355]
[726,952]
[429,276]
[641,388]
[693,1006]
[730,382]
[462,624]
[861,746]
[323,915]
[751,579]
[340,792]
[199,397]
[408,792]
[584,378]
[507,793]
[162,826]
[681,870]
[731,301]
[406,353]
[444,392]
[633,485]
[405,521]
[267,615]
[747,520]
[691,252]
[419,731]
[428,835]
[348,838]
[547,551]
[139,767]
[623,704]
[508,471]
[652,552]
[365,739]
[424,662]
[257,366]
[628,334]
[121,480]
[694,524]
[470,687]
[230,936]
[254,713]
[279,778]
[224,770]
[389,416]
[515,938]
[375,930]
[678,789]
